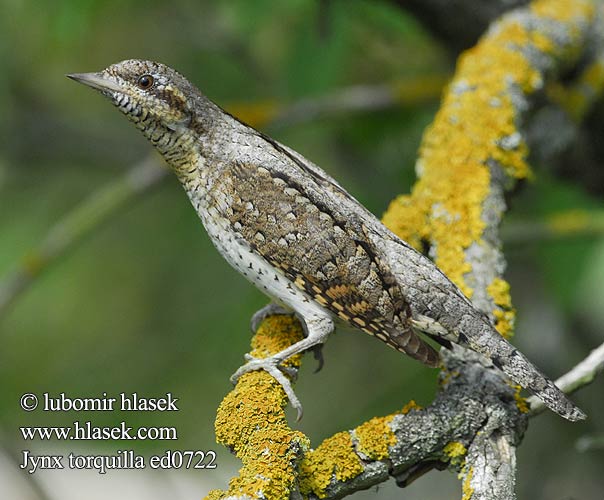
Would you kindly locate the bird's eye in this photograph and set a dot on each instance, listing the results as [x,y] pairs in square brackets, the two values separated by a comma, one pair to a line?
[145,82]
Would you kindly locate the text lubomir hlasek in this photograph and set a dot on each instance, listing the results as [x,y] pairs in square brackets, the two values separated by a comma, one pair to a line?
[123,402]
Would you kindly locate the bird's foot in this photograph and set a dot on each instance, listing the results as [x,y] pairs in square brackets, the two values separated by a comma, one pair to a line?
[271,309]
[273,366]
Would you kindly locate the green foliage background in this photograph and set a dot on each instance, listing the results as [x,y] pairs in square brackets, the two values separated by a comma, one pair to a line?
[146,304]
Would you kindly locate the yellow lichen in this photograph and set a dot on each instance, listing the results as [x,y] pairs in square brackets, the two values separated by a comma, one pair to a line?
[542,42]
[476,126]
[456,453]
[563,11]
[572,13]
[251,422]
[375,437]
[335,459]
[411,405]
[466,488]
[521,402]
[504,322]
[455,449]
[499,290]
[275,334]
[215,495]
[504,313]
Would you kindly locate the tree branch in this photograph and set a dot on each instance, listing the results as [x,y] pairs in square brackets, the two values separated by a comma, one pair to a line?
[77,224]
[581,375]
[475,419]
[473,406]
[570,149]
[251,422]
[554,227]
[476,147]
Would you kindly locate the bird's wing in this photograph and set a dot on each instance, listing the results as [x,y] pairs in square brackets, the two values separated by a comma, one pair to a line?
[301,227]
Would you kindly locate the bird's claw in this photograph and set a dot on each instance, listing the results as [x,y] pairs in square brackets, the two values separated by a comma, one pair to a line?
[273,367]
[267,364]
[317,352]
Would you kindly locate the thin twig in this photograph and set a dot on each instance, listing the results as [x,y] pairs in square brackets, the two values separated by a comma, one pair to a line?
[582,374]
[554,227]
[77,224]
[361,98]
[590,443]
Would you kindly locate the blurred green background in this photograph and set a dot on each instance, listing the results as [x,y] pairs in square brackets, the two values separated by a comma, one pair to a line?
[146,304]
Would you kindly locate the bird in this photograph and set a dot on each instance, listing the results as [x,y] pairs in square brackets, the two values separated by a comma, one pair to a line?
[302,239]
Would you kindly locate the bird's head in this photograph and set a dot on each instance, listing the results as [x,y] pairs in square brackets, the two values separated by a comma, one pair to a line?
[153,96]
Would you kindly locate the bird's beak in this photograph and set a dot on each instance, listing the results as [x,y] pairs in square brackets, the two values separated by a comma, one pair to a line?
[96,81]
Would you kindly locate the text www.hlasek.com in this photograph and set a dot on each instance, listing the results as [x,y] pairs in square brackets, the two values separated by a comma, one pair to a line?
[87,431]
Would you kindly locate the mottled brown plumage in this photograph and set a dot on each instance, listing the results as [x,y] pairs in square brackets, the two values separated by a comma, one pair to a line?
[294,232]
[323,254]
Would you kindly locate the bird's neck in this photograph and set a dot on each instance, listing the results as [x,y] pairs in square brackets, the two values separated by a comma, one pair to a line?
[180,152]
[185,145]
[194,160]
[201,150]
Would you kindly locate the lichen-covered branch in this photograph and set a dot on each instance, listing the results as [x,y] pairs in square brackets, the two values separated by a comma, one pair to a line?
[278,462]
[472,426]
[473,402]
[556,137]
[568,148]
[482,153]
[474,151]
[251,422]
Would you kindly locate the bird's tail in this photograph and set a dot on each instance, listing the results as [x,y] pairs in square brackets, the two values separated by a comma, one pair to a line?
[518,368]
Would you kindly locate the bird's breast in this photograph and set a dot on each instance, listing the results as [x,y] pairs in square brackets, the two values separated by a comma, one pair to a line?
[214,209]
